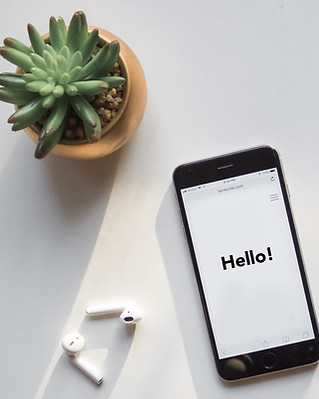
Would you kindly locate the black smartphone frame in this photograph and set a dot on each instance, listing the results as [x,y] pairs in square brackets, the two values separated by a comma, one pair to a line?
[224,167]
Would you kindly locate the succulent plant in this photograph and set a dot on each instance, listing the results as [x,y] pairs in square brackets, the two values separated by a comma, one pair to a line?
[56,75]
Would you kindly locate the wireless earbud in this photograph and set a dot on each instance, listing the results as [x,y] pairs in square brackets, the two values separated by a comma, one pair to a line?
[73,343]
[127,314]
[102,309]
[130,316]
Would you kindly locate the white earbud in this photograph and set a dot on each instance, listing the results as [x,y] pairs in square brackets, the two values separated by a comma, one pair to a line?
[127,314]
[130,316]
[73,343]
[102,309]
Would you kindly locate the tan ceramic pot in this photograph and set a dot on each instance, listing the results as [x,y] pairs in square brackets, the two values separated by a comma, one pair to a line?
[129,115]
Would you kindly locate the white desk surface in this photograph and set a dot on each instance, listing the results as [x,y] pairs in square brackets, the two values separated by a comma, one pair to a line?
[221,75]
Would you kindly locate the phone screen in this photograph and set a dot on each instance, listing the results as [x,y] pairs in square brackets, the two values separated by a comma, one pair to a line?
[247,263]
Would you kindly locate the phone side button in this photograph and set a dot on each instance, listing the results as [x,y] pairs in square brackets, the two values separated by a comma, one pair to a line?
[184,233]
[270,361]
[287,188]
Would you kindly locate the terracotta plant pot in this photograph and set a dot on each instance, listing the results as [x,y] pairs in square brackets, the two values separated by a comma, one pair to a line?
[129,115]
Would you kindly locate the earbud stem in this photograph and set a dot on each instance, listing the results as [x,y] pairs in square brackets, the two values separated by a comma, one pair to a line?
[100,309]
[87,369]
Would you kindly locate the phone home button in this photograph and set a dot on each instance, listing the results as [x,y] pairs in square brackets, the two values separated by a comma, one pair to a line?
[270,361]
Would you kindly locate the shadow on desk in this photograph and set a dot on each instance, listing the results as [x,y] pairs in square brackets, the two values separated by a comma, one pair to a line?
[289,384]
[52,211]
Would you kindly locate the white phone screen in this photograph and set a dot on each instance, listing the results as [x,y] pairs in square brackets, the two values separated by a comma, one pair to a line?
[247,263]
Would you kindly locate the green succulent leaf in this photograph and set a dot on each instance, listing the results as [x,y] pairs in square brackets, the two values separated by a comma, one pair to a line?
[56,36]
[46,144]
[51,50]
[12,81]
[58,91]
[71,90]
[64,78]
[31,111]
[74,73]
[14,96]
[38,61]
[83,27]
[74,32]
[36,85]
[28,77]
[62,28]
[16,44]
[93,134]
[107,63]
[103,62]
[65,52]
[61,64]
[114,81]
[91,87]
[37,42]
[76,60]
[39,73]
[56,117]
[84,110]
[48,101]
[89,45]
[17,57]
[47,88]
[49,59]
[22,125]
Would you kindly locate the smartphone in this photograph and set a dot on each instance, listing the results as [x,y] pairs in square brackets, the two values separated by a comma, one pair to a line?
[248,263]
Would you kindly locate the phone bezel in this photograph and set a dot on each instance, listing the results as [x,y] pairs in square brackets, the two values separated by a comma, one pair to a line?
[224,167]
